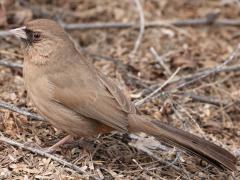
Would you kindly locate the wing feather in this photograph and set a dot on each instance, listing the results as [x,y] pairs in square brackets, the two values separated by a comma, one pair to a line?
[87,92]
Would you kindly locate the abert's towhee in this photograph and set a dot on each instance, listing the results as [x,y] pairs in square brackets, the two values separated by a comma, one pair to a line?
[69,92]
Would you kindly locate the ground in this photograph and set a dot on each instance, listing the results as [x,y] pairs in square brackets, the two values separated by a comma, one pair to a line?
[193,49]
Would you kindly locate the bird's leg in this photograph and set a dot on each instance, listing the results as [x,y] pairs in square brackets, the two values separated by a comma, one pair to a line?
[54,147]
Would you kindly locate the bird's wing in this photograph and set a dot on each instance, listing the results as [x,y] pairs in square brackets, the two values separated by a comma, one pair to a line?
[124,103]
[82,89]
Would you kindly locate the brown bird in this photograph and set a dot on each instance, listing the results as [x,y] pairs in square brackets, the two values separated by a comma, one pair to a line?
[69,92]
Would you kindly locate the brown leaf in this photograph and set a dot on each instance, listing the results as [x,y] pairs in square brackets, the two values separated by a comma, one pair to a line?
[8,4]
[9,124]
[3,18]
[22,16]
[209,63]
[183,62]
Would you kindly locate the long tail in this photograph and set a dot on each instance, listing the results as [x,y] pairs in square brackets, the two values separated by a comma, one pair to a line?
[183,140]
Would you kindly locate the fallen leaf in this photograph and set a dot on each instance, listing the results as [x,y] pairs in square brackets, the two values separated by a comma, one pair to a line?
[22,16]
[3,18]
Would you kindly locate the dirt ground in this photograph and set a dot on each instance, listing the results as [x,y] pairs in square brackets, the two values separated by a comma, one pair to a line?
[193,49]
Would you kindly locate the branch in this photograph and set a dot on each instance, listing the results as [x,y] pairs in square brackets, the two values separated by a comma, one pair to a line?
[14,108]
[190,79]
[9,64]
[160,60]
[142,26]
[4,33]
[138,103]
[42,153]
[199,75]
[147,144]
[182,82]
[205,99]
[152,24]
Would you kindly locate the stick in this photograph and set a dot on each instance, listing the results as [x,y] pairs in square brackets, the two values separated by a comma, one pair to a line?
[140,146]
[9,64]
[151,154]
[4,33]
[205,99]
[182,82]
[14,108]
[138,103]
[142,26]
[152,24]
[198,74]
[160,60]
[45,154]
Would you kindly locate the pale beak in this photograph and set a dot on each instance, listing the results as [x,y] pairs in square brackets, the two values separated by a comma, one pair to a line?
[19,32]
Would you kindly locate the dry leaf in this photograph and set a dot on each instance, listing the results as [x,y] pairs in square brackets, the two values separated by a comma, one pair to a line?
[22,16]
[3,18]
[183,62]
[9,124]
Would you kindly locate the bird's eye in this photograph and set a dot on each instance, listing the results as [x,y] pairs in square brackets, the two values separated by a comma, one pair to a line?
[36,36]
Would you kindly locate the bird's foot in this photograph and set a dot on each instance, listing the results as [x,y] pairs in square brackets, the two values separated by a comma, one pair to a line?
[49,150]
[56,146]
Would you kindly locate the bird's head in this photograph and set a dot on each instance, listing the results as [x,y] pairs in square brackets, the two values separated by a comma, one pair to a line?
[43,38]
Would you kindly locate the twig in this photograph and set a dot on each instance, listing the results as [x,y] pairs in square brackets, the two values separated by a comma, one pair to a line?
[179,115]
[198,74]
[152,24]
[142,26]
[118,25]
[160,60]
[205,99]
[7,63]
[14,108]
[203,74]
[138,103]
[178,154]
[200,130]
[99,25]
[4,33]
[182,82]
[45,154]
[148,151]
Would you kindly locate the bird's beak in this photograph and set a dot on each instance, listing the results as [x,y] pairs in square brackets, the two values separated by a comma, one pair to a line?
[19,32]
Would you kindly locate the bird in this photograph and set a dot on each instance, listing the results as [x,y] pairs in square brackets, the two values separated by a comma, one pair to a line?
[68,91]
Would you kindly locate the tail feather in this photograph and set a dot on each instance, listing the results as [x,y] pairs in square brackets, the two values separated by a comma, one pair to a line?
[184,140]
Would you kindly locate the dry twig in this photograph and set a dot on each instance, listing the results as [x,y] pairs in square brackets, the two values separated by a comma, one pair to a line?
[139,146]
[160,60]
[14,108]
[182,82]
[4,33]
[7,63]
[205,99]
[153,24]
[142,26]
[138,103]
[42,153]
